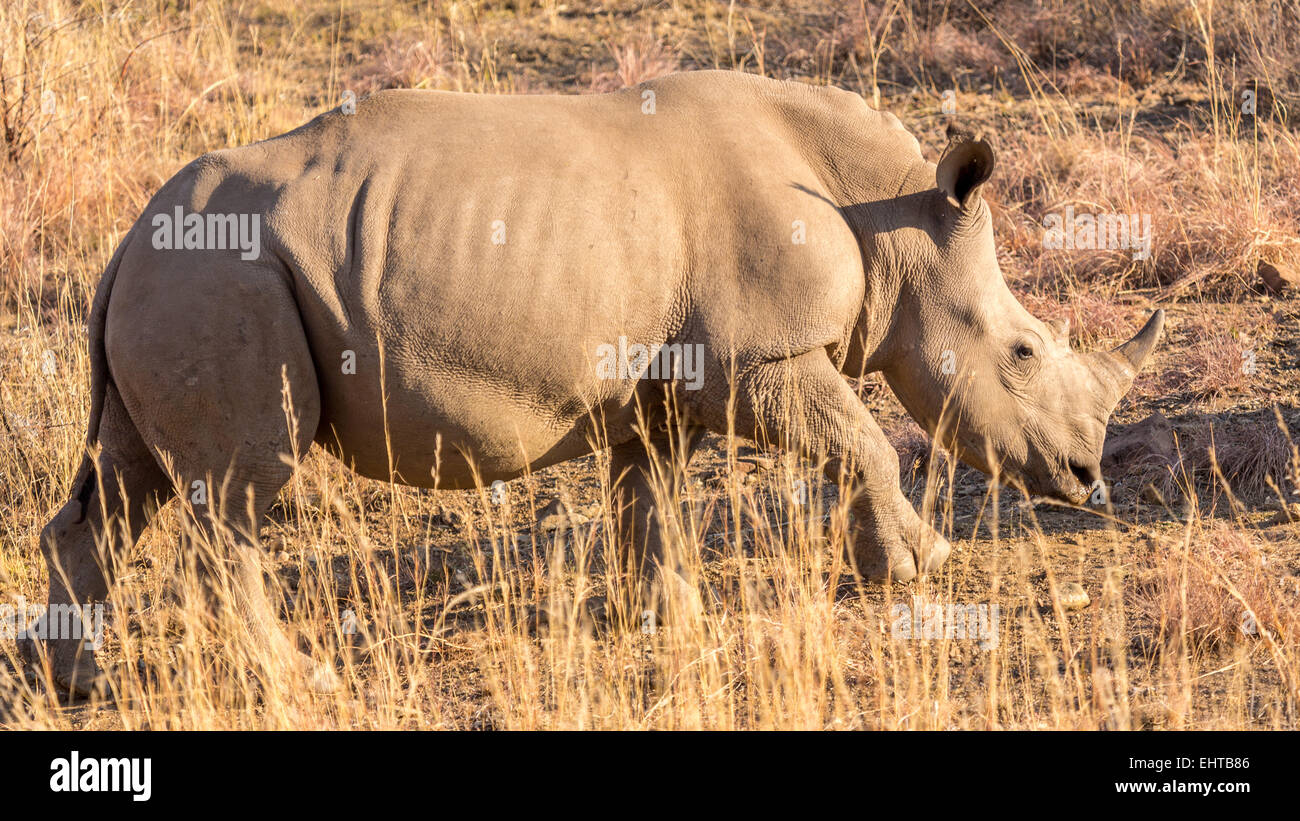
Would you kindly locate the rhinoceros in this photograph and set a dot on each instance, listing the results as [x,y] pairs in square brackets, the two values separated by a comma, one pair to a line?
[421,284]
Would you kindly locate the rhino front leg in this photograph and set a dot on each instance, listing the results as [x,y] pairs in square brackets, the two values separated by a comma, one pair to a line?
[804,404]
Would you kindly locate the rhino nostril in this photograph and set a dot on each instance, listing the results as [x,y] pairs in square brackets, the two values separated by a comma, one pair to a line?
[1087,474]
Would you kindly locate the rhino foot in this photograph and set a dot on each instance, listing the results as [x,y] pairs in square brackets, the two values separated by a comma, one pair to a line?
[72,666]
[83,677]
[900,554]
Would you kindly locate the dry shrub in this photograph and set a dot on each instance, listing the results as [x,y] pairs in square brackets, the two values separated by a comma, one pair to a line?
[1094,317]
[1139,43]
[949,52]
[1154,479]
[1219,365]
[636,59]
[405,61]
[1254,458]
[1260,41]
[1133,42]
[1221,357]
[1081,79]
[131,98]
[1215,208]
[1217,589]
[1247,455]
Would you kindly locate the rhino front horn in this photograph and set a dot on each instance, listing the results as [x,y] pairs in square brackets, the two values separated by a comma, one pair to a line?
[1134,352]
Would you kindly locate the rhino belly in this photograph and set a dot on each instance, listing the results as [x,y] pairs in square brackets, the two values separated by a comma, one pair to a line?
[449,442]
[440,423]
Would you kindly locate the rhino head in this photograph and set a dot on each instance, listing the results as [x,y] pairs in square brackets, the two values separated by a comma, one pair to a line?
[998,387]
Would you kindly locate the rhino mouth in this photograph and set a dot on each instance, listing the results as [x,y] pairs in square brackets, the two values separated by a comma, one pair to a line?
[1073,485]
[1072,482]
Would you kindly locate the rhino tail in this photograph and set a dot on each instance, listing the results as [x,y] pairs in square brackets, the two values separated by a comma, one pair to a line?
[99,375]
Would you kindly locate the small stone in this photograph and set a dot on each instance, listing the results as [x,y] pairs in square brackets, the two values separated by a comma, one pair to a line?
[754,464]
[1277,277]
[1151,495]
[1287,513]
[446,518]
[1073,597]
[1144,645]
[558,516]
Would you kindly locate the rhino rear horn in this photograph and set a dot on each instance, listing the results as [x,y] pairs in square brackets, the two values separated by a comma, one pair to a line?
[966,164]
[1135,352]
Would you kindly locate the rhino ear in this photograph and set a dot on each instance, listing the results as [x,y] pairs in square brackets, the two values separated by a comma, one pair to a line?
[1061,330]
[966,164]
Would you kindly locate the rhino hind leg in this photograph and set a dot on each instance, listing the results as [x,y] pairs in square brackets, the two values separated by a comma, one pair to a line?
[643,473]
[225,393]
[113,499]
[803,404]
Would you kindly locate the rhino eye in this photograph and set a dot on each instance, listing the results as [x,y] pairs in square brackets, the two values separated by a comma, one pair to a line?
[1024,351]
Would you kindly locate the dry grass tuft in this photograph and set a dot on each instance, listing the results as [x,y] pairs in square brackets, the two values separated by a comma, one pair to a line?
[636,59]
[1217,589]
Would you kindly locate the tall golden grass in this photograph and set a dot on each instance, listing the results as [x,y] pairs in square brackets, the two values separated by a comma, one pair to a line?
[452,611]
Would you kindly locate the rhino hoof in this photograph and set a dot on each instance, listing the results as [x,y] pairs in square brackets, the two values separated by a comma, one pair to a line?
[902,564]
[73,670]
[879,567]
[902,572]
[938,554]
[82,677]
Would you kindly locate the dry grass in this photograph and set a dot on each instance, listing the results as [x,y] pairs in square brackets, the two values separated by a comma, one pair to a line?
[466,613]
[1212,589]
[636,60]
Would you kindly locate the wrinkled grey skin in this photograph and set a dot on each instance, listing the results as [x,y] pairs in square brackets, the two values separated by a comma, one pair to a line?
[676,226]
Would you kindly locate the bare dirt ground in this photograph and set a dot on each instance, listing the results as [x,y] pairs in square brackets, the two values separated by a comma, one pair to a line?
[485,609]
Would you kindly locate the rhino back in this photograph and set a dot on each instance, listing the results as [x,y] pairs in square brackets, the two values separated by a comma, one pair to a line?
[490,244]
